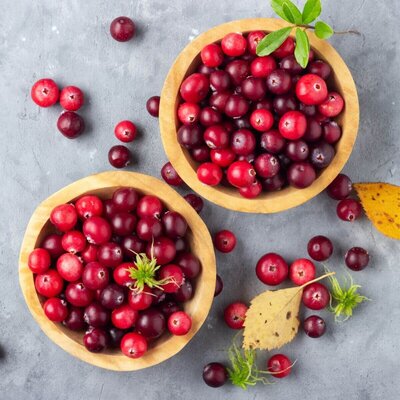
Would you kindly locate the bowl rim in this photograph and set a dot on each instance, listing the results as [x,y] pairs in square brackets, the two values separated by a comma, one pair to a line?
[230,198]
[202,300]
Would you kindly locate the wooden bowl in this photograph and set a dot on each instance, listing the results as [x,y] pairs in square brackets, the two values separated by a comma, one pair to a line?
[104,185]
[187,62]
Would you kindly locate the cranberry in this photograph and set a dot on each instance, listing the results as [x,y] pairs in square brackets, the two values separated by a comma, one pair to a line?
[235,314]
[78,294]
[209,174]
[70,124]
[131,245]
[174,224]
[313,131]
[55,309]
[124,317]
[189,264]
[201,153]
[311,89]
[97,230]
[125,199]
[261,67]
[179,323]
[316,296]
[225,241]
[216,137]
[149,206]
[53,244]
[45,92]
[236,106]
[125,131]
[123,223]
[241,174]
[96,340]
[64,217]
[290,65]
[168,308]
[301,271]
[110,254]
[243,142]
[222,157]
[322,155]
[301,175]
[49,283]
[261,120]
[88,206]
[272,269]
[184,293]
[357,258]
[112,296]
[320,248]
[220,80]
[209,116]
[170,175]
[348,210]
[70,267]
[340,188]
[309,111]
[332,106]
[297,150]
[39,261]
[174,275]
[188,113]
[71,98]
[148,228]
[314,326]
[153,106]
[159,296]
[215,374]
[292,125]
[279,366]
[319,68]
[195,201]
[74,320]
[151,323]
[284,160]
[203,69]
[273,184]
[219,100]
[252,191]
[212,55]
[195,88]
[96,315]
[285,49]
[133,345]
[253,38]
[121,274]
[109,208]
[272,141]
[219,286]
[95,276]
[140,300]
[73,242]
[253,88]
[238,70]
[266,165]
[331,132]
[119,156]
[242,123]
[279,81]
[163,250]
[234,44]
[122,29]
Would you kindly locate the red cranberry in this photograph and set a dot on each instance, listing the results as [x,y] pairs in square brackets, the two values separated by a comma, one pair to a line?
[189,113]
[88,206]
[357,258]
[174,224]
[123,223]
[140,300]
[290,65]
[209,116]
[314,326]
[215,374]
[238,70]
[153,106]
[235,314]
[301,175]
[112,296]
[279,366]
[253,88]
[184,293]
[74,320]
[96,315]
[216,137]
[39,261]
[273,184]
[266,165]
[125,199]
[131,245]
[70,267]
[284,103]
[78,294]
[297,150]
[302,271]
[241,174]
[220,80]
[70,124]
[279,82]
[340,188]
[125,131]
[195,201]
[332,106]
[122,29]
[236,106]
[209,174]
[321,155]
[195,88]
[219,286]
[272,141]
[110,254]
[73,242]
[319,68]
[234,44]
[179,323]
[243,142]
[97,230]
[95,340]
[332,132]
[151,323]
[121,274]
[222,157]
[212,55]
[124,317]
[316,296]
[148,228]
[320,248]
[64,217]
[261,120]
[133,345]
[119,156]
[190,136]
[253,38]
[201,154]
[272,269]
[95,276]
[285,49]
[149,206]
[49,284]
[163,250]
[45,92]
[225,241]
[252,191]
[313,131]
[170,175]
[53,244]
[71,98]
[293,125]
[219,100]
[261,67]
[311,89]
[55,309]
[174,275]
[348,210]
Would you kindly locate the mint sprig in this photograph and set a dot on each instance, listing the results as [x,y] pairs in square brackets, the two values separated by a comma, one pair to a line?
[301,21]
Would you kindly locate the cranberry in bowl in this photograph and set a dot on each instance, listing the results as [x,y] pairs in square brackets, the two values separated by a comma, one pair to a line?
[81,269]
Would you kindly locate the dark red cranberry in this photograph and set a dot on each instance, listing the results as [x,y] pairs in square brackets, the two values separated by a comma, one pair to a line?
[163,250]
[349,210]
[220,81]
[74,320]
[219,100]
[284,160]
[123,224]
[331,132]
[195,88]
[95,276]
[189,264]
[195,201]
[110,254]
[253,88]
[266,165]
[174,224]
[148,228]
[153,106]
[131,245]
[78,294]
[236,106]
[201,154]
[316,296]
[168,307]
[122,29]
[109,208]
[301,175]
[97,230]
[290,65]
[215,374]
[219,286]
[151,323]
[319,68]
[297,150]
[285,49]
[284,103]
[272,141]
[264,104]
[170,175]
[238,70]
[159,296]
[242,122]
[309,111]
[119,156]
[320,248]
[279,82]
[71,98]
[149,206]
[96,340]
[314,130]
[115,336]
[340,188]
[209,116]
[190,136]
[96,315]
[125,199]
[321,155]
[184,293]
[274,184]
[70,124]
[112,296]
[243,142]
[53,244]
[253,38]
[203,69]
[314,326]
[357,258]
[216,137]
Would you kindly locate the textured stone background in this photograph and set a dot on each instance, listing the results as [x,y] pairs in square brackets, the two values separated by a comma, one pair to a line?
[69,41]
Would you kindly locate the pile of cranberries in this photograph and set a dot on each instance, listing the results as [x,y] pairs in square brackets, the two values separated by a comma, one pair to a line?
[83,270]
[258,123]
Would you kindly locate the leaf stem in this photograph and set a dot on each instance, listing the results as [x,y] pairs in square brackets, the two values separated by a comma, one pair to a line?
[353,32]
[318,279]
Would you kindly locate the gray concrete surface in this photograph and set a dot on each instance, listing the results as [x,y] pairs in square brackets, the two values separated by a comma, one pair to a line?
[69,41]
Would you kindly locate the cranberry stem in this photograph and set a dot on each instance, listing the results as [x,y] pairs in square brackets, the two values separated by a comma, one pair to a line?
[353,32]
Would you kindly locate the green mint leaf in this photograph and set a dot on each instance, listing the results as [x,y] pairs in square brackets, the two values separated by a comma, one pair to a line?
[292,13]
[302,49]
[311,11]
[277,6]
[323,30]
[272,41]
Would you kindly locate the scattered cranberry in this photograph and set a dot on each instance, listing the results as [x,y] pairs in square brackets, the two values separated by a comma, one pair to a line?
[279,366]
[122,29]
[119,156]
[272,269]
[195,201]
[70,124]
[314,326]
[215,374]
[316,296]
[225,241]
[55,309]
[235,315]
[170,175]
[219,286]
[153,106]
[71,98]
[125,131]
[349,210]
[39,261]
[340,188]
[302,271]
[179,323]
[357,258]
[320,248]
[45,92]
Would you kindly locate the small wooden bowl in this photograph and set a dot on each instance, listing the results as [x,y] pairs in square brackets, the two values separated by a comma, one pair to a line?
[104,185]
[187,62]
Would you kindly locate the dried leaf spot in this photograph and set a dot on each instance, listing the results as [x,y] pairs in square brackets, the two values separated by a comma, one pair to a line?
[276,334]
[288,314]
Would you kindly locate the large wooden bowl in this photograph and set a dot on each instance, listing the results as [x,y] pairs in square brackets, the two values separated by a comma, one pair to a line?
[187,62]
[104,185]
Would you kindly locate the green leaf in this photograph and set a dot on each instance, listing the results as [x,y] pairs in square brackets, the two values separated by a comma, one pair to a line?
[323,30]
[302,49]
[292,13]
[272,41]
[277,6]
[311,11]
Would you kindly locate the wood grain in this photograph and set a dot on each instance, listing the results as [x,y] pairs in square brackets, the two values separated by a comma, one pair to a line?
[103,185]
[229,198]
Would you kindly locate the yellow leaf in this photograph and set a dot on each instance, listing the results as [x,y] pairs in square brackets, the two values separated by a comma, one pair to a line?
[381,202]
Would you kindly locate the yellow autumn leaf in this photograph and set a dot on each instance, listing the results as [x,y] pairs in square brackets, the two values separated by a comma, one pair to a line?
[381,202]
